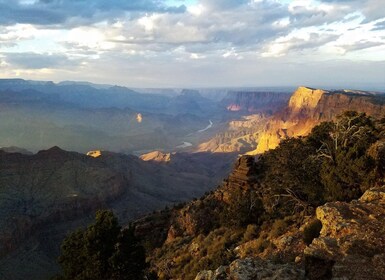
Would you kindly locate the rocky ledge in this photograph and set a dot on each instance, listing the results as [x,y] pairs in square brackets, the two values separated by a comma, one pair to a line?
[351,244]
[255,269]
[243,174]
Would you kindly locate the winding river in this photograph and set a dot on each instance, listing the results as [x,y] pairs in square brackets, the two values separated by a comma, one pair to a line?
[207,127]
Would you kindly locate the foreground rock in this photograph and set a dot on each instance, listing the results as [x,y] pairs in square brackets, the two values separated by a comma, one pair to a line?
[352,240]
[253,269]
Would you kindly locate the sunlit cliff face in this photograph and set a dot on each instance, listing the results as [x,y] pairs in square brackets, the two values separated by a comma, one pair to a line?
[307,108]
[296,121]
[305,98]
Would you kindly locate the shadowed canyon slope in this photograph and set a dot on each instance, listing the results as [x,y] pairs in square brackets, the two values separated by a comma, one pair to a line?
[45,195]
[308,107]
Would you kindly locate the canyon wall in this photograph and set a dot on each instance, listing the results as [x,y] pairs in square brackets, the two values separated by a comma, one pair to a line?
[308,107]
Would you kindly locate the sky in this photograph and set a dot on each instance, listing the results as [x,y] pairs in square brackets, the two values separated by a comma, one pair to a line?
[195,43]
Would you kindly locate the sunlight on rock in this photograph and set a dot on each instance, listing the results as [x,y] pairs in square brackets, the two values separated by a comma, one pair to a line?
[156,156]
[139,117]
[95,154]
[234,108]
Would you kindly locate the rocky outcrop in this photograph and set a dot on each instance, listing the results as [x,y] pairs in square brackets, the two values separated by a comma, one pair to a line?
[308,107]
[243,174]
[156,156]
[253,269]
[352,240]
[95,153]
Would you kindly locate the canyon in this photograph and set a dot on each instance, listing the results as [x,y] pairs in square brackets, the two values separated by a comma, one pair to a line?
[191,203]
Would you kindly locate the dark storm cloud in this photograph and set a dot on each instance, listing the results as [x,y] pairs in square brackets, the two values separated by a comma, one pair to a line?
[38,61]
[51,12]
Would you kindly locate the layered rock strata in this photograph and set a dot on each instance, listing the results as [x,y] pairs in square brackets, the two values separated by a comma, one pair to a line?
[308,107]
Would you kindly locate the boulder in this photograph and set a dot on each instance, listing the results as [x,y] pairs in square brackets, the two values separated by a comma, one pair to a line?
[253,269]
[352,240]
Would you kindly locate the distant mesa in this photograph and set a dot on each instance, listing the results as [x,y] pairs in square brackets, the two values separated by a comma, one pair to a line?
[156,156]
[95,154]
[14,149]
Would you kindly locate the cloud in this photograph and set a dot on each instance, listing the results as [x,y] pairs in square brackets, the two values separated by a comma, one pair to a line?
[379,26]
[156,42]
[74,12]
[361,45]
[371,9]
[38,61]
[245,27]
[215,5]
[298,43]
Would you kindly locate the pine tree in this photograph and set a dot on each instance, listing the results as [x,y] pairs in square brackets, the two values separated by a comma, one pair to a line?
[102,251]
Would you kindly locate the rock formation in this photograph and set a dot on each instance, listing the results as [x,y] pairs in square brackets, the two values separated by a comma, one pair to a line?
[351,245]
[352,240]
[95,153]
[243,173]
[308,107]
[156,156]
[253,269]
